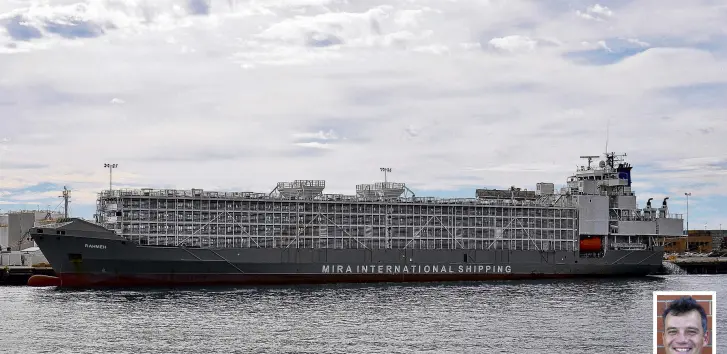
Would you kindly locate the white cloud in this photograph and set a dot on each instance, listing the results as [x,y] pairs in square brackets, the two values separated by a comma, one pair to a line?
[601,10]
[638,42]
[595,13]
[315,145]
[513,43]
[410,18]
[322,135]
[243,94]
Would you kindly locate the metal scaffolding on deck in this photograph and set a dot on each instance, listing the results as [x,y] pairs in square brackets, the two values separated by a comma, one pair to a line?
[299,215]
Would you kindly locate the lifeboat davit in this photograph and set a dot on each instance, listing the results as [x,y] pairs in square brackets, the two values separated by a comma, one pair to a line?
[44,280]
[591,244]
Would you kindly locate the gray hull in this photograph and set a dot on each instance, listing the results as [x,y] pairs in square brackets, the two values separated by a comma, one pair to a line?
[87,256]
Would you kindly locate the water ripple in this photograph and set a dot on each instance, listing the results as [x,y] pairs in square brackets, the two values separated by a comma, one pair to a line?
[580,316]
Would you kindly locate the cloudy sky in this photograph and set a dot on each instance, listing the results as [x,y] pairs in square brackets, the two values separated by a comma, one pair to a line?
[453,95]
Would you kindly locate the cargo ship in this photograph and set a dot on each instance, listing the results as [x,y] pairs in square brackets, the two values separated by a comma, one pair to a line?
[591,227]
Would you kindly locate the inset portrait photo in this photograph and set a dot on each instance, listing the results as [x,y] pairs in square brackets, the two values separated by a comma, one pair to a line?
[685,322]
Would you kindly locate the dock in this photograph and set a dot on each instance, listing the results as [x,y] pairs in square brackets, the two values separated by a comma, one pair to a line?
[19,275]
[701,265]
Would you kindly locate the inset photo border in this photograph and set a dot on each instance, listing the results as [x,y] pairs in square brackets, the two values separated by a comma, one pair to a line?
[707,299]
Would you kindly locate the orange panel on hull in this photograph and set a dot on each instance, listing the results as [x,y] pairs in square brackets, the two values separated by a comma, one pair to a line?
[592,244]
[43,280]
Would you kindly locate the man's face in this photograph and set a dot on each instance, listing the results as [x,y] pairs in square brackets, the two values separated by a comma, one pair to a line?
[684,334]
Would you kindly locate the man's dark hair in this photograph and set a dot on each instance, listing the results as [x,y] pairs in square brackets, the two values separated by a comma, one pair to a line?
[684,305]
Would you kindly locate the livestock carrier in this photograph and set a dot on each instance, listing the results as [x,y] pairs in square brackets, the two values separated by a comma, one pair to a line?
[384,233]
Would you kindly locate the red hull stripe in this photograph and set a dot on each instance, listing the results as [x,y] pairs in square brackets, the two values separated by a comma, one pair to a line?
[166,280]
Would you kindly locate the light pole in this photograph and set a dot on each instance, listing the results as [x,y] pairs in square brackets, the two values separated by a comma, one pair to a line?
[688,194]
[111,167]
[385,170]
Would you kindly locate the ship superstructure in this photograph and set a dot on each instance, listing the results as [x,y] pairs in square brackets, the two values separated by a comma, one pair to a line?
[296,216]
[298,233]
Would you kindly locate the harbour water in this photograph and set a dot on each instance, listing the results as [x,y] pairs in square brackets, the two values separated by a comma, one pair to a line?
[571,316]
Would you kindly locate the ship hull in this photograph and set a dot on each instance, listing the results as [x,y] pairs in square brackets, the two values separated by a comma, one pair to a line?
[95,258]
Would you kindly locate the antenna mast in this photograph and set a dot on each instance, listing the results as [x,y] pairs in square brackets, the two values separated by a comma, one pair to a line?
[608,125]
[66,198]
[590,159]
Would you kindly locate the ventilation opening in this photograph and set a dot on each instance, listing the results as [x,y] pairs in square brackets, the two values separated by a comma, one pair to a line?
[464,258]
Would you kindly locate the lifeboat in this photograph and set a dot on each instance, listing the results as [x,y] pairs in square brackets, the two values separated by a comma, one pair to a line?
[591,244]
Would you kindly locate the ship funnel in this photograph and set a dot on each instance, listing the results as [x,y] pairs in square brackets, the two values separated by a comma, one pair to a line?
[663,211]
